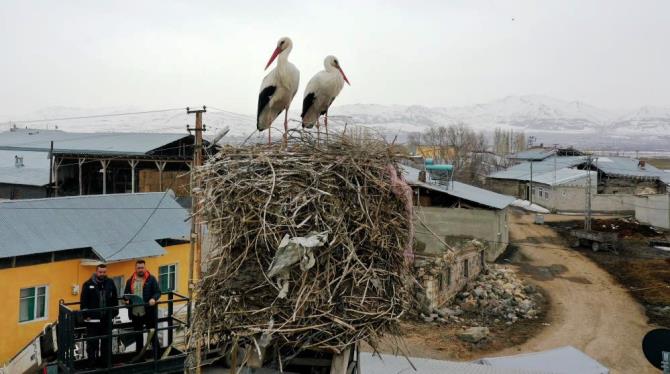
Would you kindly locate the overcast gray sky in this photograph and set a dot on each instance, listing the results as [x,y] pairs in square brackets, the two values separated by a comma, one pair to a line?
[164,54]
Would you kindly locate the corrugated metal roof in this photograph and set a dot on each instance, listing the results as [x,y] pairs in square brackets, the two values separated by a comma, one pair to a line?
[563,176]
[386,363]
[92,143]
[103,222]
[536,154]
[616,166]
[522,171]
[628,167]
[460,190]
[35,171]
[563,360]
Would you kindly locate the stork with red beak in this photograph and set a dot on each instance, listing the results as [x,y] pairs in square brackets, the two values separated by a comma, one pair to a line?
[321,91]
[278,88]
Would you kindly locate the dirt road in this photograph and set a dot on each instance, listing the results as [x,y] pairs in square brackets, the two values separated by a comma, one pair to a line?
[589,309]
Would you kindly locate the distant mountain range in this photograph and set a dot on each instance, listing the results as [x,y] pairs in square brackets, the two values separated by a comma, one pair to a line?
[529,113]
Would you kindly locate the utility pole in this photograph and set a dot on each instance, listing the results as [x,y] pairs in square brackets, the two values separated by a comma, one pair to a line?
[587,210]
[51,168]
[195,266]
[530,187]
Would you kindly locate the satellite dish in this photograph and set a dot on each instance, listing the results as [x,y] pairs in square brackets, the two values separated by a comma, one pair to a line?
[654,343]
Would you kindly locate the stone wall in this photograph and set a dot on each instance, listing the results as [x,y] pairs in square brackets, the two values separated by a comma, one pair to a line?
[506,187]
[441,277]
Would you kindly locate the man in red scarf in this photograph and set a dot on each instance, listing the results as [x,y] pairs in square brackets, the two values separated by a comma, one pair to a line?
[145,286]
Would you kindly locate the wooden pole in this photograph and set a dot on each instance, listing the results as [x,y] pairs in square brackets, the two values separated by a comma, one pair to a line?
[196,234]
[80,162]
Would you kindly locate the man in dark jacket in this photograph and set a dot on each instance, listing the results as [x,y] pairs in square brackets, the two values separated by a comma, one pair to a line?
[145,286]
[98,292]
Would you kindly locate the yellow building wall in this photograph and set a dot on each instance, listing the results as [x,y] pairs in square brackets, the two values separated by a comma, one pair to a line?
[60,277]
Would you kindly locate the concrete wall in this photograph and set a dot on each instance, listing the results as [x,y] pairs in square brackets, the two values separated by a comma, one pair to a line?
[489,226]
[653,210]
[565,198]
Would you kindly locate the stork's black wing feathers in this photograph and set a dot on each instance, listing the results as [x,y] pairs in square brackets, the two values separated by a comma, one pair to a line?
[264,99]
[307,103]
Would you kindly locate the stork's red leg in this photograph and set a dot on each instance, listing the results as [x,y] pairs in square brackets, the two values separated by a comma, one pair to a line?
[325,122]
[285,126]
[318,131]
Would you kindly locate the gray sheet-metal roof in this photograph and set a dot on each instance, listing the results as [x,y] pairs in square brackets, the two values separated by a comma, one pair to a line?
[536,154]
[563,360]
[522,171]
[564,176]
[90,143]
[104,223]
[627,167]
[615,166]
[460,190]
[385,364]
[35,171]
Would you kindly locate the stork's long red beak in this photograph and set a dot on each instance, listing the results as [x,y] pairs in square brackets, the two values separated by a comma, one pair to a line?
[272,58]
[343,75]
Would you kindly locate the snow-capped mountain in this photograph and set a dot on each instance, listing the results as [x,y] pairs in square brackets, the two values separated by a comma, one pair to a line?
[648,120]
[533,114]
[520,112]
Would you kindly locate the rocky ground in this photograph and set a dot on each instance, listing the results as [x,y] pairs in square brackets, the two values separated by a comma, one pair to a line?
[496,311]
[496,297]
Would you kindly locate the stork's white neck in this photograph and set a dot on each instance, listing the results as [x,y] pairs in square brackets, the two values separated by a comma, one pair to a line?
[283,56]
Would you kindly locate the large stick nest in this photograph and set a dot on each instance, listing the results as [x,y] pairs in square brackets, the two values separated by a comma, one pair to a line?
[356,288]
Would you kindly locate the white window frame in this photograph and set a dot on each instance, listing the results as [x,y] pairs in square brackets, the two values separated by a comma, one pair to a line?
[119,291]
[176,276]
[46,304]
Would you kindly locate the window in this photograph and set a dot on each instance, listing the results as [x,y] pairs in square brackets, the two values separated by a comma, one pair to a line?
[445,279]
[482,258]
[466,268]
[32,303]
[120,286]
[546,195]
[168,277]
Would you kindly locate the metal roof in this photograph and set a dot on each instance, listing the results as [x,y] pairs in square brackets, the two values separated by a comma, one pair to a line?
[564,176]
[563,360]
[627,167]
[105,223]
[522,171]
[460,190]
[90,143]
[386,363]
[536,154]
[34,172]
[615,166]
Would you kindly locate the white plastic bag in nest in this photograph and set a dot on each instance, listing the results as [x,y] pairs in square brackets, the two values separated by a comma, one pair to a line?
[297,249]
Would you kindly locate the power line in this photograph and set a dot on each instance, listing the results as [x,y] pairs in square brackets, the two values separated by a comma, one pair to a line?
[141,227]
[94,116]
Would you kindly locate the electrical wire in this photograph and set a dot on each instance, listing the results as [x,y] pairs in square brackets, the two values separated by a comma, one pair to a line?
[94,116]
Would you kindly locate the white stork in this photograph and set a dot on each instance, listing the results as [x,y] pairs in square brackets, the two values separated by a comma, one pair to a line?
[321,91]
[278,88]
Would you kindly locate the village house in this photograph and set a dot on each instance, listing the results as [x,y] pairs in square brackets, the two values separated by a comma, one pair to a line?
[50,247]
[458,228]
[92,163]
[559,183]
[455,210]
